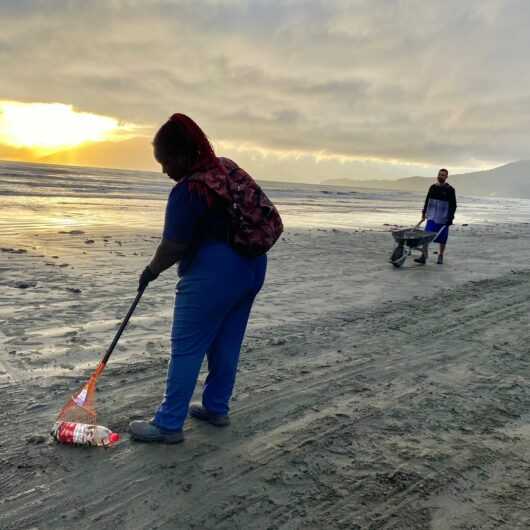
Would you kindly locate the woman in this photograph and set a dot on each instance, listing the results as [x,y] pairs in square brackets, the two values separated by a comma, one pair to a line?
[216,289]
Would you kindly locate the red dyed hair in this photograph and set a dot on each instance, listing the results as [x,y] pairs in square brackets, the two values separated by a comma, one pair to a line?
[180,135]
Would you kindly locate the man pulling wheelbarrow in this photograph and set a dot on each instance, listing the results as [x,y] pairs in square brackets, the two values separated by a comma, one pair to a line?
[439,211]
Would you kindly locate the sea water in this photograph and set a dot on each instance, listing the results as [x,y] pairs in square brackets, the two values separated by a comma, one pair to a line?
[37,197]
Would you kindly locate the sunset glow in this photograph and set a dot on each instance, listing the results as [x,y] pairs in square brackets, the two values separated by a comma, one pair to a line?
[50,126]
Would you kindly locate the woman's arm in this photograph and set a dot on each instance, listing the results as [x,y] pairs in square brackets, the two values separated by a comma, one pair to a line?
[166,255]
[183,212]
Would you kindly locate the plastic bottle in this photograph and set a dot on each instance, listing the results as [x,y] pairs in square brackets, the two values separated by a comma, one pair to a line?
[66,432]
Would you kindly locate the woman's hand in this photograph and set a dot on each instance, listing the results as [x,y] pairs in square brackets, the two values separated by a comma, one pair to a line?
[147,276]
[167,254]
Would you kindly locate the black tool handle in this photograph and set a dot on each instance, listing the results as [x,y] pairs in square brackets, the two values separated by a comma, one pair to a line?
[122,326]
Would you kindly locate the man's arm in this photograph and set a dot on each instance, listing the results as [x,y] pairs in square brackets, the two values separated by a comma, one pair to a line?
[424,211]
[452,206]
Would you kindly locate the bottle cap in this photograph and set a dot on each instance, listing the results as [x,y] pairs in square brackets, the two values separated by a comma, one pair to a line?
[114,437]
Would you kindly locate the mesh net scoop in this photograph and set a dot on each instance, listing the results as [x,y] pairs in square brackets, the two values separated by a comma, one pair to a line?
[81,408]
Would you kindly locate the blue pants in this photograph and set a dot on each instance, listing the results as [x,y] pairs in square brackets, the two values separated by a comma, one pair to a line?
[435,227]
[212,306]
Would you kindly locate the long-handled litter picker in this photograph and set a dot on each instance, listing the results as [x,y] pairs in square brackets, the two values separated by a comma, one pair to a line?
[81,408]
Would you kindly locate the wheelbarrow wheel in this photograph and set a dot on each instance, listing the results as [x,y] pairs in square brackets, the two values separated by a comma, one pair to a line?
[398,256]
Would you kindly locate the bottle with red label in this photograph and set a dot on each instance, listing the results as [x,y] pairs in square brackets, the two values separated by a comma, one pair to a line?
[83,434]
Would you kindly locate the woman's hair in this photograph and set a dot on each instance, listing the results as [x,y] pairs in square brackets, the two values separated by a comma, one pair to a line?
[180,135]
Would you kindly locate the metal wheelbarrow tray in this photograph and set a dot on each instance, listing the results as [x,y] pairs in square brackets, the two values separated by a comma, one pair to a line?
[410,239]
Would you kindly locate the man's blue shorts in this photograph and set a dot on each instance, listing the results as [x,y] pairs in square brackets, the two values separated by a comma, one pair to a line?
[431,226]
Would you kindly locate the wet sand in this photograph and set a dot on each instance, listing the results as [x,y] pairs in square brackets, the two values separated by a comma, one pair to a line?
[367,397]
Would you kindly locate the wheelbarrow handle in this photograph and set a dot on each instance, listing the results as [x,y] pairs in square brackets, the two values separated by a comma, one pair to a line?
[418,225]
[441,230]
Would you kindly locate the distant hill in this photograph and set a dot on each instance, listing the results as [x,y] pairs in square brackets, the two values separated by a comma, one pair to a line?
[510,180]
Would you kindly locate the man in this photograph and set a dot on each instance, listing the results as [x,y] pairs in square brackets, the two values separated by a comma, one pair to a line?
[439,210]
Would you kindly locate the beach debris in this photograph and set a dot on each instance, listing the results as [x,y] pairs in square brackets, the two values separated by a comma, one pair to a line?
[89,242]
[14,250]
[25,285]
[74,290]
[72,433]
[72,232]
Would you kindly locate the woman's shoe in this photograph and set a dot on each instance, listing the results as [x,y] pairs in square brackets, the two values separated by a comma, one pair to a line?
[201,413]
[146,431]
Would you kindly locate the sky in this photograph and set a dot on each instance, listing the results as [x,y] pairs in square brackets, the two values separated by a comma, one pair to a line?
[292,90]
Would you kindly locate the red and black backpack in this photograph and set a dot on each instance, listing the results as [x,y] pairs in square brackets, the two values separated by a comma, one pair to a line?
[255,224]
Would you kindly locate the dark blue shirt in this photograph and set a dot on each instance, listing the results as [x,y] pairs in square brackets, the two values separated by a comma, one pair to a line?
[191,221]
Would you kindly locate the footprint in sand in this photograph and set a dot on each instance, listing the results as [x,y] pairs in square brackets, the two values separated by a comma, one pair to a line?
[150,347]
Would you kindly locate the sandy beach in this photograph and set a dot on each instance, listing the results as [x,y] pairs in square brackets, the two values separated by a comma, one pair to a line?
[367,397]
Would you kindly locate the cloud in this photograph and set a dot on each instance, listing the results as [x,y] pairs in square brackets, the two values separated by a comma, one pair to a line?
[393,83]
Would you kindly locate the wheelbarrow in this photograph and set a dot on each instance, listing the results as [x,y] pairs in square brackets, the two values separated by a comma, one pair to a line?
[409,240]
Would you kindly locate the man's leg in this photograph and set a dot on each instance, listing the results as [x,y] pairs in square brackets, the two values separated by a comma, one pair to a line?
[442,239]
[424,254]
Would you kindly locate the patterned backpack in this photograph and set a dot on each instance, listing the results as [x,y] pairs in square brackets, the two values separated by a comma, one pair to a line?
[255,224]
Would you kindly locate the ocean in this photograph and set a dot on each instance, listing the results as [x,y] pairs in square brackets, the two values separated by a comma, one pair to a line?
[36,198]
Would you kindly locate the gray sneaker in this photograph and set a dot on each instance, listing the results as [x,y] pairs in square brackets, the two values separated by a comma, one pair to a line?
[199,412]
[440,259]
[146,431]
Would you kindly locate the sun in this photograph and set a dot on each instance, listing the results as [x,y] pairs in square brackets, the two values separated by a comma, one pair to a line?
[52,126]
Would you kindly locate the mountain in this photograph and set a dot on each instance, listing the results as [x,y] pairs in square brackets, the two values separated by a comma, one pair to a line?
[509,180]
[404,184]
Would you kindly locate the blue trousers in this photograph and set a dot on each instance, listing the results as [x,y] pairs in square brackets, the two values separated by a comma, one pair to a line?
[435,227]
[212,306]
